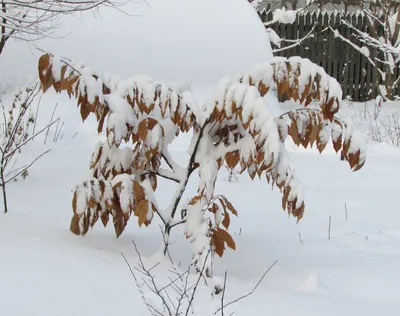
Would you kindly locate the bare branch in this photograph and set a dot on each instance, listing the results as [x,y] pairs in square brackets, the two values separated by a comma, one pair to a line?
[297,42]
[223,294]
[30,138]
[197,283]
[26,167]
[251,292]
[149,307]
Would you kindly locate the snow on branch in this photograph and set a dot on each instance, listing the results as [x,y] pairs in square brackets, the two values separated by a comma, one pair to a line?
[300,79]
[276,40]
[283,16]
[386,47]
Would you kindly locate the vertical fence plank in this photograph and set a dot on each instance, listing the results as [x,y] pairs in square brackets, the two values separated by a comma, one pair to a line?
[326,49]
[335,54]
[301,22]
[357,20]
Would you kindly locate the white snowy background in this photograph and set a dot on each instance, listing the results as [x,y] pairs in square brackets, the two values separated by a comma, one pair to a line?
[46,270]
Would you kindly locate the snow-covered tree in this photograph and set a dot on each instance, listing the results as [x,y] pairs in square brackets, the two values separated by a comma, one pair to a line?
[383,35]
[237,128]
[28,20]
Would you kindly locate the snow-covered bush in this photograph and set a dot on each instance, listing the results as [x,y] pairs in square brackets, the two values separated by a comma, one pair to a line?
[16,131]
[377,119]
[237,127]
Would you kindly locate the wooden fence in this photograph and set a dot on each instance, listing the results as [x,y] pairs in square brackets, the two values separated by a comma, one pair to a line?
[358,78]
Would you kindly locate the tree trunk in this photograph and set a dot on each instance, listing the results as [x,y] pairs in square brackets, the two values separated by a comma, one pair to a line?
[3,186]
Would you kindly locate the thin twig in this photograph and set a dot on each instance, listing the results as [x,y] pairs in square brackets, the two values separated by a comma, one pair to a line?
[297,43]
[36,116]
[300,239]
[223,294]
[149,307]
[197,283]
[329,227]
[51,119]
[29,139]
[154,287]
[251,292]
[27,167]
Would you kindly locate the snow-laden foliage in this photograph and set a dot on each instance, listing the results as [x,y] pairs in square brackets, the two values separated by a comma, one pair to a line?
[236,128]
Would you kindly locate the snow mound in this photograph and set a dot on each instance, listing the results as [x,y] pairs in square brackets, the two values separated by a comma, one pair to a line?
[192,40]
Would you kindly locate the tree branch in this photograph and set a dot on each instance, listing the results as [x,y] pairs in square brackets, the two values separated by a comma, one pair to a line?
[26,167]
[297,43]
[189,171]
[197,283]
[29,139]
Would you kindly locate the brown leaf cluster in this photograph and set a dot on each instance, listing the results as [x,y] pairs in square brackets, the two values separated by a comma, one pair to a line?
[221,209]
[99,199]
[144,157]
[308,127]
[166,101]
[220,237]
[300,80]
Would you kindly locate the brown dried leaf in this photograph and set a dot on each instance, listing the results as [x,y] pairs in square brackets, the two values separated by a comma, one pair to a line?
[298,212]
[153,181]
[95,161]
[232,159]
[306,139]
[85,222]
[321,144]
[138,191]
[346,147]
[226,221]
[141,211]
[337,144]
[195,199]
[44,69]
[285,197]
[142,129]
[218,242]
[263,88]
[227,238]
[119,227]
[74,226]
[151,122]
[294,133]
[230,206]
[74,201]
[314,134]
[105,218]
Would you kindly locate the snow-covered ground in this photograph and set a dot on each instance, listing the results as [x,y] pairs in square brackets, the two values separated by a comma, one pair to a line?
[46,270]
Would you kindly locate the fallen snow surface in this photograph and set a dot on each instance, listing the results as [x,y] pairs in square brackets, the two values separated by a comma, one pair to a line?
[46,270]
